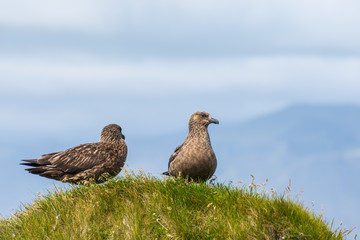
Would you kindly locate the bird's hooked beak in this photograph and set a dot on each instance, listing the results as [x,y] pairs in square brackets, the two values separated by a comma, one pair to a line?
[213,120]
[123,136]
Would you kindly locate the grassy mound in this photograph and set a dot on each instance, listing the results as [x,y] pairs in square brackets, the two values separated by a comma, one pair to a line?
[144,207]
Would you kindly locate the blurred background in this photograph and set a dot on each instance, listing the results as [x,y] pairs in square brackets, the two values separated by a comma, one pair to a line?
[282,77]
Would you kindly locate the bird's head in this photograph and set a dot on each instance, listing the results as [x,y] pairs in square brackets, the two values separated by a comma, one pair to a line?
[201,119]
[111,133]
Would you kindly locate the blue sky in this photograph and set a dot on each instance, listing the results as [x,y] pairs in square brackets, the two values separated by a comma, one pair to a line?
[175,56]
[266,54]
[68,67]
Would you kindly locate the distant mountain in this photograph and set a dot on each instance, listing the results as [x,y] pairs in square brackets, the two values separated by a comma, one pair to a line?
[306,130]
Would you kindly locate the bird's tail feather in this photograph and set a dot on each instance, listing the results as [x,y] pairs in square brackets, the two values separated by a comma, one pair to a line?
[30,162]
[47,172]
[36,170]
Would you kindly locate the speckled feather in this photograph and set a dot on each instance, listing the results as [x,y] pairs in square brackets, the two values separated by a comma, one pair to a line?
[195,158]
[87,162]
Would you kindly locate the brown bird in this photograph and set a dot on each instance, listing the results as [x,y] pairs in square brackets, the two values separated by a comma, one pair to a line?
[90,162]
[195,158]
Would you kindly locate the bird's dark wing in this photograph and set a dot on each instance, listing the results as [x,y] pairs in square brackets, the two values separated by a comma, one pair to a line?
[175,153]
[82,157]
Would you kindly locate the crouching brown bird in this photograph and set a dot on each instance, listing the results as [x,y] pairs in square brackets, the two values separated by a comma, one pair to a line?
[90,162]
[195,158]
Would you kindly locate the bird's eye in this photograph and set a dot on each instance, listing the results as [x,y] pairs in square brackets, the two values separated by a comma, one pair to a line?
[203,115]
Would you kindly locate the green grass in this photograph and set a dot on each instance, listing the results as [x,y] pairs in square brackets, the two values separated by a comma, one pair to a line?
[144,207]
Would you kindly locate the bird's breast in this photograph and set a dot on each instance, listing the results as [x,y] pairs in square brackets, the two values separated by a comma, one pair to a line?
[197,155]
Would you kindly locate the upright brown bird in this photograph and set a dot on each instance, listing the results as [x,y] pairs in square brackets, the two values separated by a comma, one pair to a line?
[90,162]
[195,158]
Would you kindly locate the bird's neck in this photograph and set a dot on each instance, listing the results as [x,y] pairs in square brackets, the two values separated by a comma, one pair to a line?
[109,139]
[198,131]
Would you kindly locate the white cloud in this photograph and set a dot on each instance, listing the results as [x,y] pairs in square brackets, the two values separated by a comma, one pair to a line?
[52,15]
[36,92]
[288,77]
[285,23]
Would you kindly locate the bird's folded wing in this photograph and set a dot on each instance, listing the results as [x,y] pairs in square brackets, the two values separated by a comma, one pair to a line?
[175,153]
[83,157]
